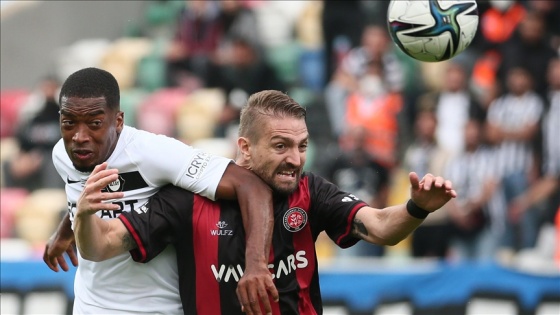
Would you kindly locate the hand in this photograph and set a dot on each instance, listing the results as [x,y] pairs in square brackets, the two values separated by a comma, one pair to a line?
[54,251]
[92,199]
[255,285]
[430,193]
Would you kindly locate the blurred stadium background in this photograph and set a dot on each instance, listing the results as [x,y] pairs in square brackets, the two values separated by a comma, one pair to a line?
[239,47]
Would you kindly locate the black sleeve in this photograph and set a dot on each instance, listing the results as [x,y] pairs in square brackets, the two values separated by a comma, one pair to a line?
[334,210]
[153,225]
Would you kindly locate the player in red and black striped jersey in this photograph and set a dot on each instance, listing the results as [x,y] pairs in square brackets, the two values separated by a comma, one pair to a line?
[210,243]
[209,237]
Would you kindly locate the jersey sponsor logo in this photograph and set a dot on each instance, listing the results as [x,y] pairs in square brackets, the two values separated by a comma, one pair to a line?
[197,165]
[115,186]
[285,267]
[350,198]
[108,214]
[221,229]
[289,265]
[223,273]
[295,219]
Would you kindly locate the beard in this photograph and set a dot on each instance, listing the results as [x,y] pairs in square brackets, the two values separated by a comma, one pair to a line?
[284,190]
[279,188]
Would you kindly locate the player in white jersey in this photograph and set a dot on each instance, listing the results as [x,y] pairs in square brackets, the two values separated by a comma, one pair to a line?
[93,132]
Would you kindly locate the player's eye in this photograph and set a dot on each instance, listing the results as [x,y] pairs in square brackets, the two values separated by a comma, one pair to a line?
[96,123]
[67,123]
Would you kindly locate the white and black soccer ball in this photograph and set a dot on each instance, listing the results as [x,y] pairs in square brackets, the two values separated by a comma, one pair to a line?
[432,30]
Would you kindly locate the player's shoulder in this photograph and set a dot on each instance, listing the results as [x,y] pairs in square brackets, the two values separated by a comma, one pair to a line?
[131,134]
[312,180]
[144,140]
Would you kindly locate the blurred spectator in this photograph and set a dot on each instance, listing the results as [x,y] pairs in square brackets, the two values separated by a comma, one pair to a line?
[498,22]
[453,107]
[546,189]
[38,131]
[374,107]
[241,72]
[543,197]
[238,21]
[423,156]
[512,124]
[343,23]
[550,11]
[528,48]
[472,173]
[354,170]
[375,45]
[198,35]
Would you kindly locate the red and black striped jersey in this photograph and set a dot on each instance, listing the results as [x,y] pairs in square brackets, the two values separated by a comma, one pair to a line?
[210,243]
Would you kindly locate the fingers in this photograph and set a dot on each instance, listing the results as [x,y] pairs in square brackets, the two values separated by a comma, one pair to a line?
[429,181]
[101,179]
[62,263]
[98,168]
[50,261]
[93,198]
[452,193]
[254,298]
[249,302]
[268,289]
[273,292]
[72,255]
[73,258]
[263,295]
[414,180]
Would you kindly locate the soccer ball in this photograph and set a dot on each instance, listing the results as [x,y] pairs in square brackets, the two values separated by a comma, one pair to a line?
[432,30]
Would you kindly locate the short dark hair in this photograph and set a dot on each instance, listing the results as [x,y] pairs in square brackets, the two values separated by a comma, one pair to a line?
[267,103]
[92,82]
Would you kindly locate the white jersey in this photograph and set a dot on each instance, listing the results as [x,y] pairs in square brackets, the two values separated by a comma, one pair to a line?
[145,162]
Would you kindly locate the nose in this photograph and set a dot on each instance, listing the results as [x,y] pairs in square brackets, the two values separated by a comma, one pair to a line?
[294,157]
[81,135]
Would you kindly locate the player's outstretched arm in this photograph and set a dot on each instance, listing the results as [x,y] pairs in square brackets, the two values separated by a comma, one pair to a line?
[99,239]
[391,225]
[61,241]
[255,199]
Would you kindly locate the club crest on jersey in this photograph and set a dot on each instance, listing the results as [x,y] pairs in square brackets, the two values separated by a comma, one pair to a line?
[295,219]
[117,185]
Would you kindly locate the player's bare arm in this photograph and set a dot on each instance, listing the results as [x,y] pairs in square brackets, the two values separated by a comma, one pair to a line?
[255,199]
[391,225]
[60,242]
[99,239]
[359,229]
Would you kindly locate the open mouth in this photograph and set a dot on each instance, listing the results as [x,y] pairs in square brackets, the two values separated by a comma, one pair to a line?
[290,174]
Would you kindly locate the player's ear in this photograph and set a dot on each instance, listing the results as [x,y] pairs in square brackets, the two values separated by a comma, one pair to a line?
[244,146]
[120,121]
